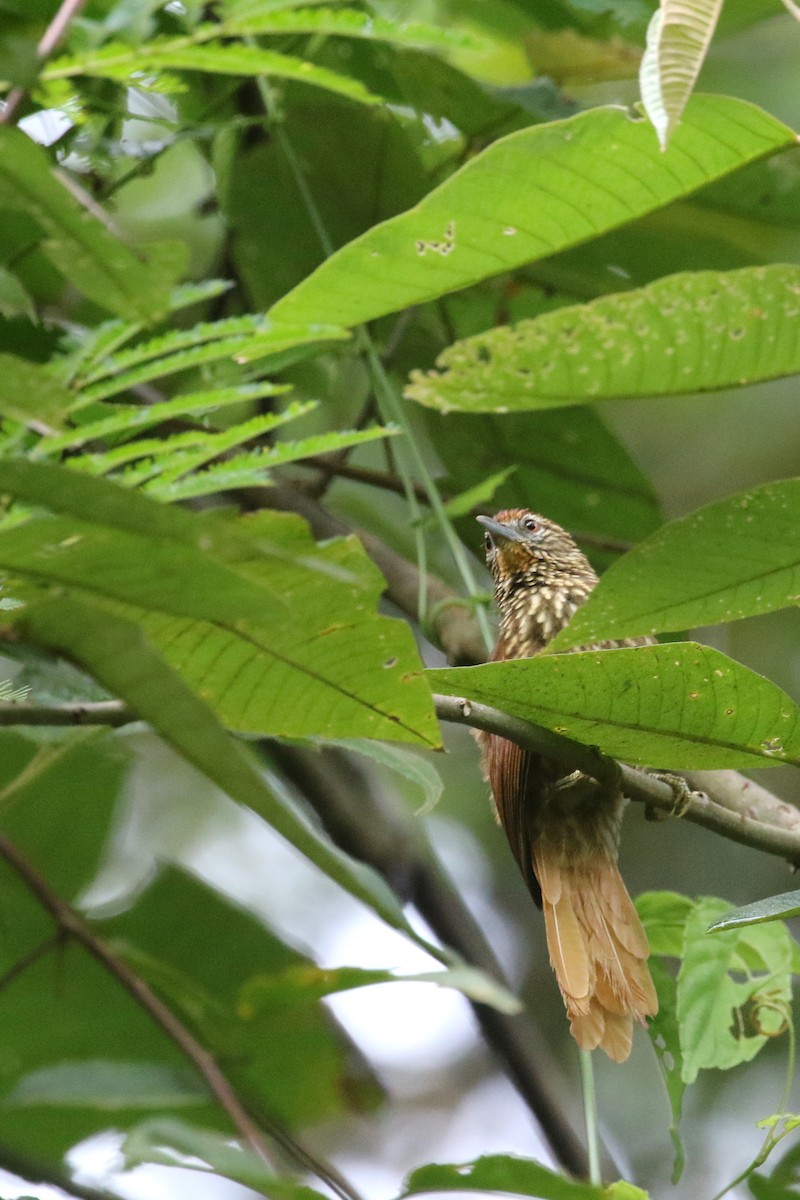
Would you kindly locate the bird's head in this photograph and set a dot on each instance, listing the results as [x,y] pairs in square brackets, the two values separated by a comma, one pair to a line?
[519,542]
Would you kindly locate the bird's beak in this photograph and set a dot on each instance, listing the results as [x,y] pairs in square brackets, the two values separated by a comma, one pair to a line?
[508,532]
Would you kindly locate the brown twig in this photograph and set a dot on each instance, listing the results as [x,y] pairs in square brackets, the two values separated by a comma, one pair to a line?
[52,35]
[71,924]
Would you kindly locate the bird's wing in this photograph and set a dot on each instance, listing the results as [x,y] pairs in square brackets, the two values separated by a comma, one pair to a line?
[517,785]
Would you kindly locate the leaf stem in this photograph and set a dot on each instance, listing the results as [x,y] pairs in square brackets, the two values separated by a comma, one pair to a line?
[590,1116]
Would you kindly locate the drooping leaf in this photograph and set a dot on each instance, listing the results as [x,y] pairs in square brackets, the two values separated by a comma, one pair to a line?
[102,266]
[772,908]
[693,332]
[172,1143]
[107,1084]
[121,62]
[734,990]
[529,195]
[676,706]
[730,559]
[499,1173]
[678,37]
[114,651]
[417,771]
[664,1032]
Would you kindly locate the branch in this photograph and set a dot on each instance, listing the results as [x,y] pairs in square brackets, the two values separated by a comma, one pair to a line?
[52,35]
[775,831]
[71,924]
[376,830]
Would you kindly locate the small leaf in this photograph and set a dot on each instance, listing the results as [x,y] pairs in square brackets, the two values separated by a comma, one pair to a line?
[172,1143]
[734,990]
[693,332]
[107,1084]
[530,195]
[14,300]
[267,992]
[664,1032]
[678,37]
[501,1173]
[734,558]
[773,908]
[102,266]
[30,392]
[680,706]
[405,763]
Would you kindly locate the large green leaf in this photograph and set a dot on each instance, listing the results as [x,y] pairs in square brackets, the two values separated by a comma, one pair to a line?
[730,559]
[694,332]
[566,464]
[773,908]
[499,1173]
[114,651]
[677,706]
[324,665]
[678,37]
[119,278]
[528,195]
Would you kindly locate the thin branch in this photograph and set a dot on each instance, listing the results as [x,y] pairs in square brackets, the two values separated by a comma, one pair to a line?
[739,825]
[71,924]
[52,35]
[22,964]
[103,712]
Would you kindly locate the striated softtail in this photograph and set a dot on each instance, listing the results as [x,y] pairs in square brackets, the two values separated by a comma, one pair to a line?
[597,945]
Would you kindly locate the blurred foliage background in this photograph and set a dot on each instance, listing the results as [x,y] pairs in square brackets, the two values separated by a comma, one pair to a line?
[252,176]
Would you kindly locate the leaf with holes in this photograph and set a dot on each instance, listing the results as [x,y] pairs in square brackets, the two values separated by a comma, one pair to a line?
[731,559]
[677,706]
[694,332]
[527,196]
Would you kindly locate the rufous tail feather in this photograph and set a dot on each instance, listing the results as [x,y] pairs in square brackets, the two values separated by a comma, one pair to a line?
[597,947]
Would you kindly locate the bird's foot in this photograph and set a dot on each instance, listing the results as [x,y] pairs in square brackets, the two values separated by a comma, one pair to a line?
[681,792]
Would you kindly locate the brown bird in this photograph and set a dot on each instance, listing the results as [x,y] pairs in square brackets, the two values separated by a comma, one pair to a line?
[564,831]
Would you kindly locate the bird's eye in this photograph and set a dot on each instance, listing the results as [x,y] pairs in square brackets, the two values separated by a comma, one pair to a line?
[531,524]
[487,541]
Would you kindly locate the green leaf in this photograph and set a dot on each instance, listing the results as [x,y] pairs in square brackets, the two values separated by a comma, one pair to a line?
[131,420]
[258,17]
[529,195]
[501,1173]
[121,279]
[730,559]
[734,990]
[14,300]
[324,665]
[694,332]
[121,62]
[173,1143]
[114,651]
[679,706]
[405,763]
[181,350]
[30,392]
[664,915]
[678,37]
[772,908]
[107,1084]
[567,463]
[267,993]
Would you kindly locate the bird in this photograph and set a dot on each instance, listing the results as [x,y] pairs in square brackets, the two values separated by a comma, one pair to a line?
[564,830]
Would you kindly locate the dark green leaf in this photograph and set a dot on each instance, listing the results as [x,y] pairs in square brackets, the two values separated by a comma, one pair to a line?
[579,177]
[734,558]
[677,706]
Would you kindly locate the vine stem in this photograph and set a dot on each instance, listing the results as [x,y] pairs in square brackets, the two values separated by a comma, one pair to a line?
[388,400]
[590,1116]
